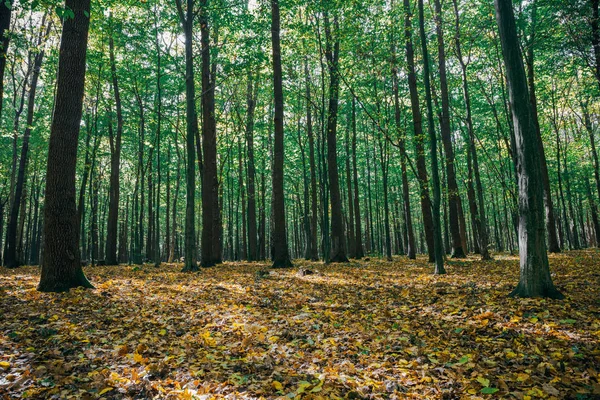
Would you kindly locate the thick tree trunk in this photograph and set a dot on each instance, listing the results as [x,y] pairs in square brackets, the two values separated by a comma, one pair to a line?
[418,132]
[280,254]
[211,229]
[61,267]
[115,166]
[535,280]
[553,245]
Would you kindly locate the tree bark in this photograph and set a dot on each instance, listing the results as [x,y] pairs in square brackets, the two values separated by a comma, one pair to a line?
[359,251]
[115,166]
[192,130]
[479,206]
[338,238]
[418,135]
[535,279]
[280,254]
[10,258]
[211,229]
[454,202]
[252,228]
[61,266]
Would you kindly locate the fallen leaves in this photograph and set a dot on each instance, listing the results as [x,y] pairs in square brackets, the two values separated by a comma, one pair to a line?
[363,330]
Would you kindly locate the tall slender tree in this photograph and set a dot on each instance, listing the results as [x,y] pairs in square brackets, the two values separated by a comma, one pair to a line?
[338,237]
[211,220]
[279,251]
[187,21]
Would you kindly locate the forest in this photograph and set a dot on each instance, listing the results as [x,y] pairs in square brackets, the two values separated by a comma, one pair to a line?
[299,199]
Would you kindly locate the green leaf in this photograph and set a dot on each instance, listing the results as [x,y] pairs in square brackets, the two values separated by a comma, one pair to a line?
[483,381]
[489,390]
[568,321]
[463,360]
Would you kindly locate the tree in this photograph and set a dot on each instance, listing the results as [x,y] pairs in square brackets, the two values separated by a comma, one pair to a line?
[279,251]
[115,164]
[418,134]
[535,280]
[61,265]
[211,220]
[338,238]
[187,22]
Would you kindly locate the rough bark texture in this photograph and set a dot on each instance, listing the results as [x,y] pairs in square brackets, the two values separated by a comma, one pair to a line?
[553,245]
[279,251]
[535,280]
[61,264]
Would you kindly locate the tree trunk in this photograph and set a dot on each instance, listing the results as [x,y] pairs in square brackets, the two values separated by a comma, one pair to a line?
[10,258]
[61,267]
[252,228]
[478,207]
[454,202]
[553,246]
[192,131]
[211,229]
[418,132]
[535,280]
[436,205]
[115,165]
[338,237]
[350,224]
[359,252]
[280,254]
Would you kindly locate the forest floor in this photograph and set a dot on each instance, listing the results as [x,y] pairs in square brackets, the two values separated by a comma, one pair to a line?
[368,329]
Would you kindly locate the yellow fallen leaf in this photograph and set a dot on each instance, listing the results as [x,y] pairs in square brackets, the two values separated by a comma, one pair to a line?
[162,332]
[4,364]
[277,385]
[105,390]
[522,377]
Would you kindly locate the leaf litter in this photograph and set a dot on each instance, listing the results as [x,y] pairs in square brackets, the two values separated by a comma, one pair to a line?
[368,329]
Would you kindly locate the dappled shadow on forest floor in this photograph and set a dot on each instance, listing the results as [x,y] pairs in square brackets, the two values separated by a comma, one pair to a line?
[371,329]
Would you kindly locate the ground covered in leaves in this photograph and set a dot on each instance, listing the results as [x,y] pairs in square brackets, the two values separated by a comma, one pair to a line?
[368,329]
